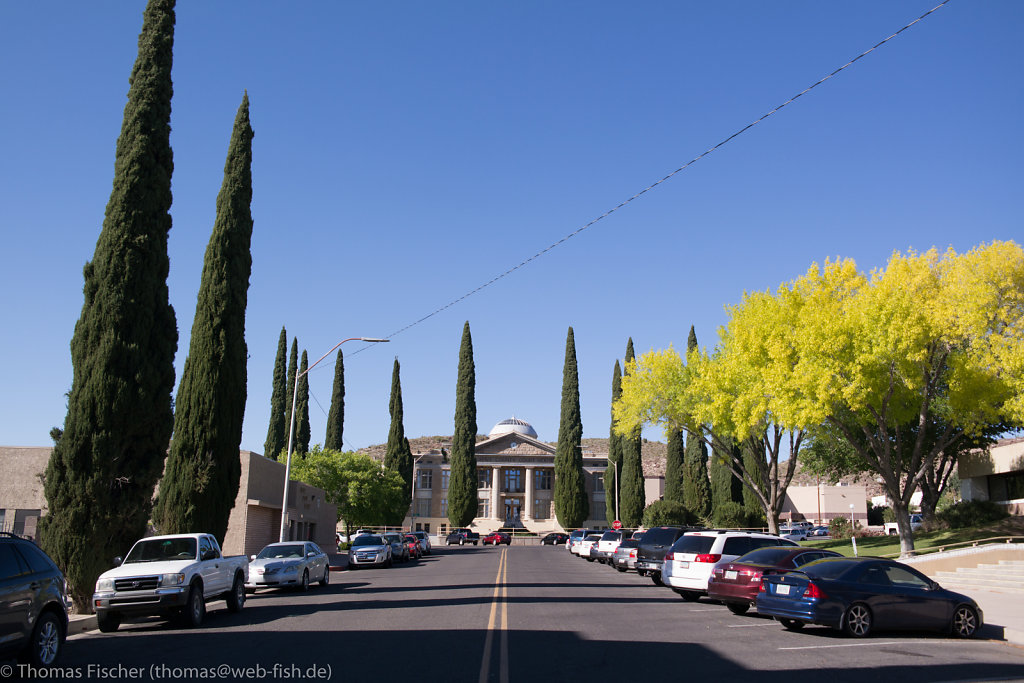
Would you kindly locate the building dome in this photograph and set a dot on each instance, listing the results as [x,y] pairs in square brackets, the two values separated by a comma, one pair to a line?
[514,426]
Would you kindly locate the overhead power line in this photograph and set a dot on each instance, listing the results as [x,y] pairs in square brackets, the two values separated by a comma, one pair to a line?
[653,185]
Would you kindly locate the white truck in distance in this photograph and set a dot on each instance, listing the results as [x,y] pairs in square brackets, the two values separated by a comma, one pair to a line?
[171,576]
[891,529]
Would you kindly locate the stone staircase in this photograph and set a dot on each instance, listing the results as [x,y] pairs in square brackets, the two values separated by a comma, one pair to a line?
[1005,577]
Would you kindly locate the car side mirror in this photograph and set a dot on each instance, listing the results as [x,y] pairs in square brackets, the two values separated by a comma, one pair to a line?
[252,557]
[118,561]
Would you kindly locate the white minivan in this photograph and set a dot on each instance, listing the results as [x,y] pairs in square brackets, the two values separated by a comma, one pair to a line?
[694,556]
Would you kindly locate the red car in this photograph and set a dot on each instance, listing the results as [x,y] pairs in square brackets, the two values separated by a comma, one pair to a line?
[497,538]
[413,544]
[736,583]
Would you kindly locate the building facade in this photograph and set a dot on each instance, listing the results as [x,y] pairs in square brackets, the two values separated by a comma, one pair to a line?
[515,484]
[255,518]
[996,475]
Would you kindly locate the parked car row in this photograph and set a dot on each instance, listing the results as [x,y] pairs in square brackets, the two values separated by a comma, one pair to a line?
[795,585]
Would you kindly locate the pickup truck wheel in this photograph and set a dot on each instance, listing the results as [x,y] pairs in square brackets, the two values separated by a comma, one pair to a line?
[462,541]
[236,598]
[108,622]
[195,607]
[305,581]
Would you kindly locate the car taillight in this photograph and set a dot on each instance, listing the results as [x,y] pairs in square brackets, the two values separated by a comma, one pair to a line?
[813,591]
[762,589]
[709,557]
[718,572]
[632,554]
[755,577]
[669,557]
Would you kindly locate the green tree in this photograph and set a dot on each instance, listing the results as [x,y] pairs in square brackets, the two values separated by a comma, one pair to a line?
[291,396]
[696,481]
[668,513]
[365,493]
[100,478]
[201,476]
[726,487]
[336,417]
[277,430]
[675,468]
[398,455]
[462,483]
[302,432]
[611,475]
[572,506]
[751,504]
[632,497]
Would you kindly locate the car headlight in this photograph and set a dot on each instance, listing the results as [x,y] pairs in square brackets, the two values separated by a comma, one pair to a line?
[291,569]
[104,585]
[172,579]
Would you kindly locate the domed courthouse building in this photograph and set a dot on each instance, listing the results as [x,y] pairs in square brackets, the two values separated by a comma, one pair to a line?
[515,483]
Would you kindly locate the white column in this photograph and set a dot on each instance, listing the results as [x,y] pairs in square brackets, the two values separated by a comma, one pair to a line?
[527,512]
[495,483]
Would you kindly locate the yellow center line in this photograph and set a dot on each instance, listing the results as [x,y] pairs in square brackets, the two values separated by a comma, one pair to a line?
[500,597]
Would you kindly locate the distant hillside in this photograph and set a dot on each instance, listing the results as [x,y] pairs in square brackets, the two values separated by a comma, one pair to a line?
[653,452]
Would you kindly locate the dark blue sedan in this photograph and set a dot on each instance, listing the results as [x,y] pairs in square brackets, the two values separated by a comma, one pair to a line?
[860,594]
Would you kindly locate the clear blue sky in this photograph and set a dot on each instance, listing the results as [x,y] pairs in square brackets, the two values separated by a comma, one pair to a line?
[408,152]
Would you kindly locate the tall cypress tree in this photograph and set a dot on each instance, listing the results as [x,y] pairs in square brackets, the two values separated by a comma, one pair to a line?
[100,478]
[675,468]
[462,483]
[725,486]
[751,503]
[696,484]
[572,507]
[291,396]
[614,450]
[336,417]
[632,498]
[398,455]
[200,479]
[277,431]
[302,433]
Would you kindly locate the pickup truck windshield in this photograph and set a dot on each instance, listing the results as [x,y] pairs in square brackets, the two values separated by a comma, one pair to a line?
[280,552]
[158,550]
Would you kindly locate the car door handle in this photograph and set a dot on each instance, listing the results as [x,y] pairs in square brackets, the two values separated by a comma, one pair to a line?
[34,585]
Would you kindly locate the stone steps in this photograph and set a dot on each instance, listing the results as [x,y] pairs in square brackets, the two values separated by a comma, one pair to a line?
[1007,576]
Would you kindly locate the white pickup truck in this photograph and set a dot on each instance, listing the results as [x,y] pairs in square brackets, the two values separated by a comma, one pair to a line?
[172,576]
[916,521]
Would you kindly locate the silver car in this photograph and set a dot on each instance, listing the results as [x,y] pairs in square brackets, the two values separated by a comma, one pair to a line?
[369,550]
[293,564]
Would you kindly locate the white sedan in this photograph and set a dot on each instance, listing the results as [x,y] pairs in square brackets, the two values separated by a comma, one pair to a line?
[293,564]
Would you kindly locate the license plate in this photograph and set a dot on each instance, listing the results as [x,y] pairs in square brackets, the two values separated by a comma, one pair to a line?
[781,589]
[731,575]
[683,565]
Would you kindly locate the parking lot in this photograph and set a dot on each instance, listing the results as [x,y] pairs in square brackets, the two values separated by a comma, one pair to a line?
[475,613]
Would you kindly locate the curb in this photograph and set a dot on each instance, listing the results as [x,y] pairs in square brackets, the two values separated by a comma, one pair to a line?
[80,623]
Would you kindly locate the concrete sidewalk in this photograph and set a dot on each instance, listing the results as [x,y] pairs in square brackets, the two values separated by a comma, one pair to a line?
[1004,614]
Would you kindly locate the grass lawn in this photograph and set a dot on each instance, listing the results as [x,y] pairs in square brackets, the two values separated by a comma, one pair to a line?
[890,545]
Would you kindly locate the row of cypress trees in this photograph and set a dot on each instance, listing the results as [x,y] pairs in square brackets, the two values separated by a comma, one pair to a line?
[284,390]
[113,447]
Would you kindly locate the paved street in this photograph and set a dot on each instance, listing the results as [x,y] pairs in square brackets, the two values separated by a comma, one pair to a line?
[520,614]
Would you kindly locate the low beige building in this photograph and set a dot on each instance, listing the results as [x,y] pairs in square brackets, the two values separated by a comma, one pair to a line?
[996,475]
[820,504]
[255,518]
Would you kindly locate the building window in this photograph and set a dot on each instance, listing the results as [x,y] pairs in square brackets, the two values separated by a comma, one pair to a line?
[483,507]
[514,480]
[597,509]
[599,482]
[483,477]
[541,508]
[444,507]
[426,479]
[423,507]
[543,480]
[1003,488]
[445,474]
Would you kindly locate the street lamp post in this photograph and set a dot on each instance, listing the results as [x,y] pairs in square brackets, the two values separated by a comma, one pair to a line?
[853,531]
[291,428]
